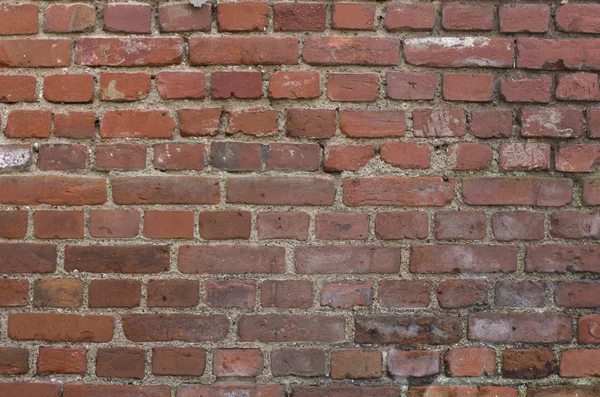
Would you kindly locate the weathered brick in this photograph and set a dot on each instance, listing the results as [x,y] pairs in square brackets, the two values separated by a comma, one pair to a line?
[346,259]
[143,51]
[407,329]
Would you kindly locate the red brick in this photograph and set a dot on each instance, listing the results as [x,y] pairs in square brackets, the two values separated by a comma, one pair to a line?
[53,190]
[577,294]
[225,390]
[121,156]
[173,293]
[580,363]
[15,89]
[452,52]
[69,88]
[578,18]
[589,329]
[54,327]
[462,391]
[463,258]
[525,157]
[13,224]
[411,86]
[346,391]
[310,123]
[407,329]
[69,18]
[517,225]
[30,389]
[591,191]
[440,122]
[278,190]
[64,360]
[453,294]
[27,258]
[168,224]
[347,294]
[335,50]
[543,192]
[399,191]
[548,54]
[470,362]
[491,123]
[520,294]
[230,50]
[127,259]
[124,87]
[19,19]
[288,156]
[184,17]
[527,89]
[558,391]
[354,259]
[331,225]
[575,225]
[578,87]
[199,122]
[468,87]
[120,362]
[520,328]
[562,258]
[577,158]
[15,158]
[255,122]
[352,87]
[282,225]
[179,156]
[347,157]
[185,361]
[14,360]
[114,224]
[470,156]
[298,362]
[224,225]
[230,259]
[231,293]
[287,294]
[81,390]
[128,51]
[466,225]
[527,363]
[165,190]
[27,53]
[29,124]
[413,363]
[299,16]
[127,17]
[409,155]
[524,18]
[354,16]
[174,327]
[356,364]
[294,85]
[237,362]
[372,123]
[62,157]
[76,125]
[401,225]
[404,294]
[240,85]
[181,85]
[58,224]
[245,16]
[63,293]
[236,156]
[114,293]
[468,16]
[14,293]
[137,124]
[400,16]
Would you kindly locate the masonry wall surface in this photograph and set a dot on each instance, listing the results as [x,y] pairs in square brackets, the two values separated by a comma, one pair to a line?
[269,199]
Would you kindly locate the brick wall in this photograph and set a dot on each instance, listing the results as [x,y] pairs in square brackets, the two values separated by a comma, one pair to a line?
[328,199]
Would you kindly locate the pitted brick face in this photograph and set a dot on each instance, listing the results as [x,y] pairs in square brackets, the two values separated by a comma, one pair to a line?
[268,198]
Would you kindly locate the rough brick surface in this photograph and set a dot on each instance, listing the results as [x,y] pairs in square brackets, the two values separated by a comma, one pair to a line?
[276,198]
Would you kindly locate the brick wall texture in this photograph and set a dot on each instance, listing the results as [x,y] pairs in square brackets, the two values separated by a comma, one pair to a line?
[313,198]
